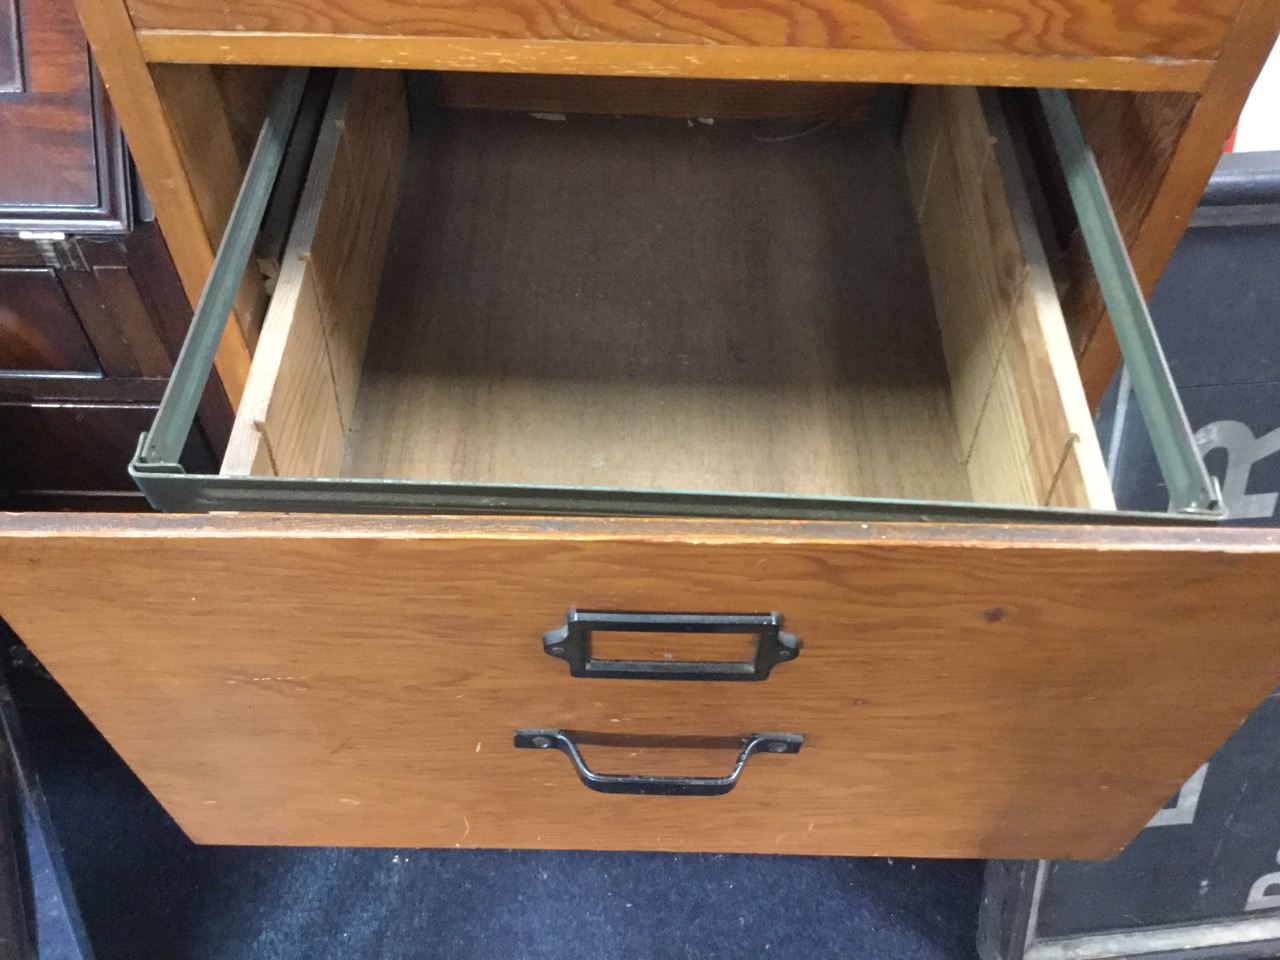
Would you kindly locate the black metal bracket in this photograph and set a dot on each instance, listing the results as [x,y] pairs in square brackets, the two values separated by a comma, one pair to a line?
[572,644]
[658,786]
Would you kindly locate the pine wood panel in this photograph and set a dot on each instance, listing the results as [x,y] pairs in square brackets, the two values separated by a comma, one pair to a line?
[1128,28]
[1036,401]
[301,393]
[971,244]
[354,225]
[708,61]
[1021,414]
[964,691]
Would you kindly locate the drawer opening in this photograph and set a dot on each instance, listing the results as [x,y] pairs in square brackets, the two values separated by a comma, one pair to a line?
[530,311]
[826,309]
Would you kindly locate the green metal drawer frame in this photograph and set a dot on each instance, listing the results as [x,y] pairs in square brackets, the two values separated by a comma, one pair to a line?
[1194,495]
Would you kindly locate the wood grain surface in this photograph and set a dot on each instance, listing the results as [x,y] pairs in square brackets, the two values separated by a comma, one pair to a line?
[301,394]
[209,133]
[47,139]
[657,303]
[964,690]
[657,96]
[1133,137]
[137,344]
[976,270]
[63,165]
[1024,426]
[1125,28]
[708,61]
[247,93]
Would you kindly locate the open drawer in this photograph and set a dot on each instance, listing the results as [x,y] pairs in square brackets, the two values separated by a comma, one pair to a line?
[499,312]
[794,337]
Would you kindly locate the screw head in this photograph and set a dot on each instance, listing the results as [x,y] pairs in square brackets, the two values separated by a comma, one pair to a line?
[777,746]
[556,651]
[784,654]
[542,742]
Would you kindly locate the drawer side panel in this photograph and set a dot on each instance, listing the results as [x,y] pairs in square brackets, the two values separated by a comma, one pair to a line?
[299,399]
[1025,429]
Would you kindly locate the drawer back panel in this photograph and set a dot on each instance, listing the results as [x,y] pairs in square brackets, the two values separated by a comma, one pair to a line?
[963,691]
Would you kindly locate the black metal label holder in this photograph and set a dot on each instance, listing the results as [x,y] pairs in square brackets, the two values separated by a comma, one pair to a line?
[572,644]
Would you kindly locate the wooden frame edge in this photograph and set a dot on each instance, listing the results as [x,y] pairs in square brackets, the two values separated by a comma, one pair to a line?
[641,59]
[1197,152]
[558,530]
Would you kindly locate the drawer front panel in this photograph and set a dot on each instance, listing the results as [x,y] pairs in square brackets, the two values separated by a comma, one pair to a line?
[1022,28]
[962,690]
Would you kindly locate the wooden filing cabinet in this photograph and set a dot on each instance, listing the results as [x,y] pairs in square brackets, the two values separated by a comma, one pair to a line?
[871,303]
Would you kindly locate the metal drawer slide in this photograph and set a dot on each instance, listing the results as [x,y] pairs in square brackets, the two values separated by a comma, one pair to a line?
[1194,495]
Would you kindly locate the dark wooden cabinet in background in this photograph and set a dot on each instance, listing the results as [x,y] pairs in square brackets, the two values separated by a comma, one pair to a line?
[92,313]
[89,329]
[62,159]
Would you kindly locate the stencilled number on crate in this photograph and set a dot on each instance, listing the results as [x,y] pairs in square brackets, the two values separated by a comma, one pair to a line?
[1243,451]
[1265,892]
[1184,808]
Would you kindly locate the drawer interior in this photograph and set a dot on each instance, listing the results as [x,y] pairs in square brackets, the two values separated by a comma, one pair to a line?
[840,308]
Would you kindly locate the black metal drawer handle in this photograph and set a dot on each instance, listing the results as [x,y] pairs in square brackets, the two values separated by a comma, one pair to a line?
[658,786]
[572,644]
